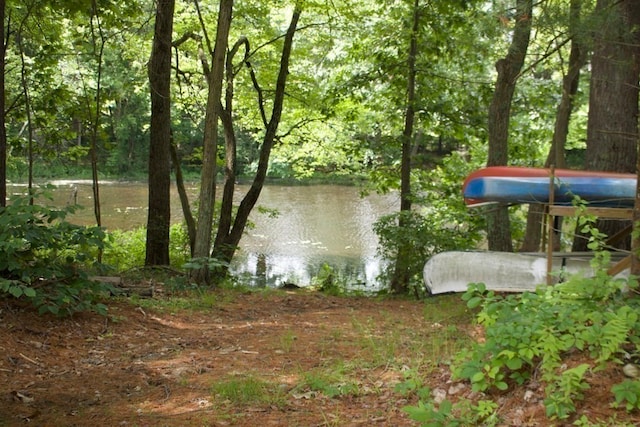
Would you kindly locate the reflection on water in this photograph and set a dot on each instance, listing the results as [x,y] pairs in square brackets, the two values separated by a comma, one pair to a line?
[314,225]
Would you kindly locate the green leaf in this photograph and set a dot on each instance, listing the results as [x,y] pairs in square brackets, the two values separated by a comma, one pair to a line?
[514,364]
[16,291]
[477,377]
[501,385]
[474,302]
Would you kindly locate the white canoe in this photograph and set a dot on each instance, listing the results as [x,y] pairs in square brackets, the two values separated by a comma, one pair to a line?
[499,271]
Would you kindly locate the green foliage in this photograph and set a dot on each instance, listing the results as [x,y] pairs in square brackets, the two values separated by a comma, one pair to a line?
[627,393]
[561,394]
[330,383]
[128,248]
[413,384]
[443,224]
[45,259]
[447,414]
[211,263]
[535,330]
[247,391]
[327,281]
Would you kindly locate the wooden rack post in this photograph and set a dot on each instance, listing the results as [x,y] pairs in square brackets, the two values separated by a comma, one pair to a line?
[550,221]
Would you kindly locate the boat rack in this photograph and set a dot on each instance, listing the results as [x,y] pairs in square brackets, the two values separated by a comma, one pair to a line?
[604,213]
[553,211]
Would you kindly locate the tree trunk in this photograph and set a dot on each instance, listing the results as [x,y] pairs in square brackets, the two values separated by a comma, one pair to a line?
[556,157]
[401,274]
[184,200]
[498,225]
[158,221]
[612,127]
[202,244]
[3,129]
[95,126]
[227,239]
[27,108]
[226,209]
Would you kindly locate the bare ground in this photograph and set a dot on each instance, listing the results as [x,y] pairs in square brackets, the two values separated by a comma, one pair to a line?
[142,366]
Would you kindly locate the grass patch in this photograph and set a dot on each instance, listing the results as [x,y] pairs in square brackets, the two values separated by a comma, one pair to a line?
[380,349]
[330,381]
[248,391]
[448,309]
[287,339]
[194,300]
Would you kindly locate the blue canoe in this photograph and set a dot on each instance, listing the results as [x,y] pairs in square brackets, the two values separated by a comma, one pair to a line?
[515,185]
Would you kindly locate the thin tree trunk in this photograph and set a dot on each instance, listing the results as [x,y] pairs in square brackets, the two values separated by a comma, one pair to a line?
[159,216]
[401,274]
[226,208]
[27,106]
[3,130]
[96,119]
[202,244]
[577,58]
[184,200]
[227,244]
[498,224]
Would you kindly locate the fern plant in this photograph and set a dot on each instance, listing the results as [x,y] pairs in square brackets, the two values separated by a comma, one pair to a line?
[536,330]
[561,394]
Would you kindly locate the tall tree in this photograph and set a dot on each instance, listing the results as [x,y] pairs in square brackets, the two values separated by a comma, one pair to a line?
[158,222]
[202,244]
[230,230]
[508,68]
[402,274]
[98,41]
[612,129]
[3,129]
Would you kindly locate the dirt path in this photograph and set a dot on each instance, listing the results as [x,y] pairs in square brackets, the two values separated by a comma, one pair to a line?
[232,359]
[315,360]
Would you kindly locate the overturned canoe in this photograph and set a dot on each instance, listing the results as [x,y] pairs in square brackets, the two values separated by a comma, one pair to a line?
[514,185]
[499,271]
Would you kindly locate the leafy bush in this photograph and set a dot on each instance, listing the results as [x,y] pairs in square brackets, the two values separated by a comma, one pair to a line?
[594,316]
[128,248]
[443,223]
[447,414]
[594,319]
[46,259]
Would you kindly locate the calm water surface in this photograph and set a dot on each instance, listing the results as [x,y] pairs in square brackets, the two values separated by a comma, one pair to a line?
[314,225]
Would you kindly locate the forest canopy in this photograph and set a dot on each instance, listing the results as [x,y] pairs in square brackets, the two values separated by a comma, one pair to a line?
[408,95]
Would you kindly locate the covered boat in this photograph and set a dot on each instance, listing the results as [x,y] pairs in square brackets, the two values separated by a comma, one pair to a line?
[502,271]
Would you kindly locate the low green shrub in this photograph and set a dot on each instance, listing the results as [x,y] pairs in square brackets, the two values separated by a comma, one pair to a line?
[46,260]
[591,320]
[592,316]
[128,248]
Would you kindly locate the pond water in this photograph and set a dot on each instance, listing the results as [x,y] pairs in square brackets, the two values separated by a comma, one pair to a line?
[315,225]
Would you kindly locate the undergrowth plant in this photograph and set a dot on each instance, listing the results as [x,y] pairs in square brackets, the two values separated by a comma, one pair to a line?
[247,390]
[592,320]
[128,248]
[534,332]
[46,260]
